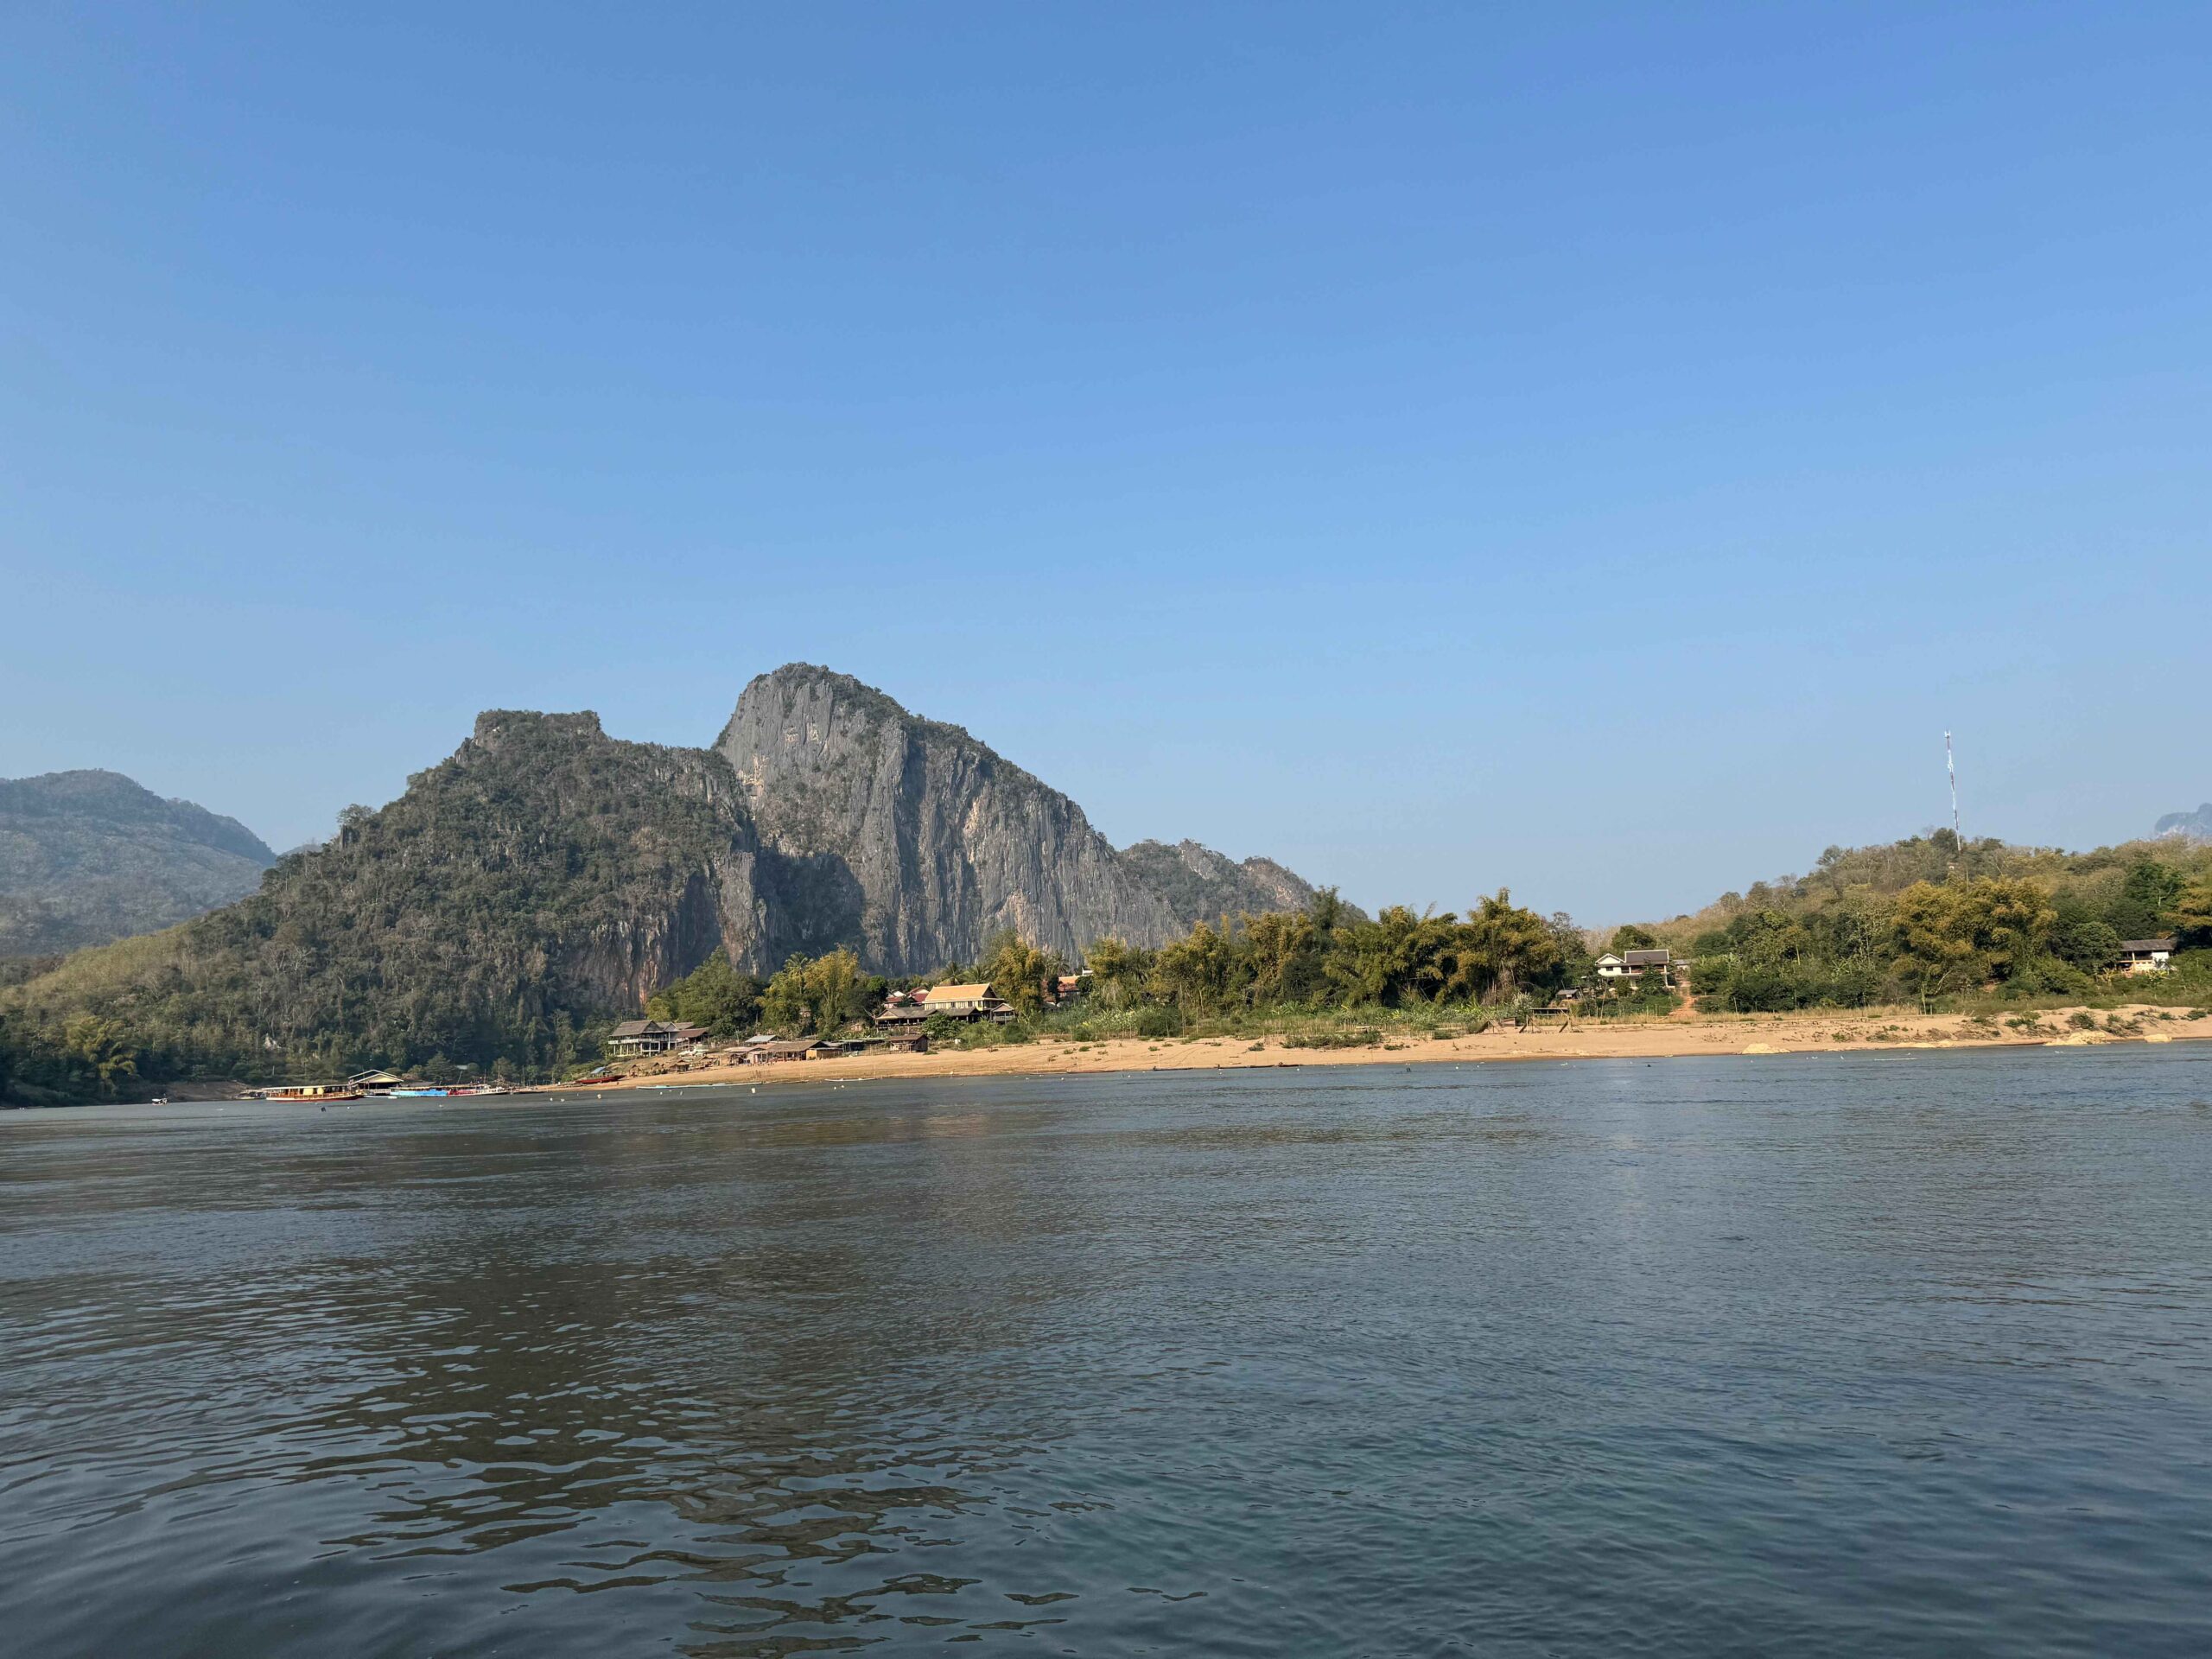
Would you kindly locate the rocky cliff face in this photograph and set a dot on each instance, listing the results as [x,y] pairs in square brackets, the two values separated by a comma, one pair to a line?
[909,839]
[90,856]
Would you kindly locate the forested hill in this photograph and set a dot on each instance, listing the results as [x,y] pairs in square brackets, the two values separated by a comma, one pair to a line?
[1202,886]
[90,856]
[544,872]
[1931,916]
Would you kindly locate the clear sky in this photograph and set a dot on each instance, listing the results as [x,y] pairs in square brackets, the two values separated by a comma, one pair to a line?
[1594,450]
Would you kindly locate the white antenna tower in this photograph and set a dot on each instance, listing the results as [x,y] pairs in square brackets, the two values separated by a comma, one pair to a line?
[1951,767]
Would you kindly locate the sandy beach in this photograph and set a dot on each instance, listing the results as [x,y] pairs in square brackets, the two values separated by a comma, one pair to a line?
[1828,1031]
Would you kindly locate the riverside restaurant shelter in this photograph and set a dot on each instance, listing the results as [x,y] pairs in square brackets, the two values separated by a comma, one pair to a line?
[636,1037]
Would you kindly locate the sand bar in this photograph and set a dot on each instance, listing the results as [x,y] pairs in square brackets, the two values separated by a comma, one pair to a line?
[1828,1031]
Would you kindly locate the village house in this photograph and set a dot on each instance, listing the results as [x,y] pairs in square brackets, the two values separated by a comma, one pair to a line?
[634,1037]
[966,1002]
[1634,964]
[2145,956]
[797,1048]
[775,1052]
[901,1016]
[913,1041]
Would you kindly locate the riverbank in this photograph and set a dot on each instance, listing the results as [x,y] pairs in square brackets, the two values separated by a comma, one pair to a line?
[1819,1032]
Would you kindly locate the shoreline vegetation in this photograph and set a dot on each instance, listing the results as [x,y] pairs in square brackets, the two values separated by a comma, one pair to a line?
[1680,1036]
[1651,1038]
[1929,941]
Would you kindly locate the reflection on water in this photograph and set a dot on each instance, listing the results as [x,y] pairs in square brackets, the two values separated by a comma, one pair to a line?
[1836,1355]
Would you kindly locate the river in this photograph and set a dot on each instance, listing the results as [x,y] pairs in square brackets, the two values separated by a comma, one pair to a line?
[1897,1354]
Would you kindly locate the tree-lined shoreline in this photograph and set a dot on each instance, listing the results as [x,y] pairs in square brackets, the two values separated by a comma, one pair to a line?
[1927,923]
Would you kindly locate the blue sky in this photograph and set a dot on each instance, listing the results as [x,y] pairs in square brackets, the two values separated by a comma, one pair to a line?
[1594,450]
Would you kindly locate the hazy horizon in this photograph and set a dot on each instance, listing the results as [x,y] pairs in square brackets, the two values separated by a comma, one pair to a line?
[1597,454]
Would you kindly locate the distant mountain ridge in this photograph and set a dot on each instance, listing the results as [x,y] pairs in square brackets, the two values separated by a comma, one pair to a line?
[89,856]
[2190,826]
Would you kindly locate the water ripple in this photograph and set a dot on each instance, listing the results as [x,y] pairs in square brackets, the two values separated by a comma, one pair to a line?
[1851,1357]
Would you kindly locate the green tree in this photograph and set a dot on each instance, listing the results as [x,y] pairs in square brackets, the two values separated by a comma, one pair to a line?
[1282,952]
[2189,914]
[105,1048]
[784,1007]
[1328,911]
[714,995]
[2011,921]
[1510,948]
[1118,971]
[1576,964]
[11,1059]
[2086,944]
[1401,957]
[1935,949]
[813,994]
[2149,890]
[1199,972]
[1018,970]
[1961,934]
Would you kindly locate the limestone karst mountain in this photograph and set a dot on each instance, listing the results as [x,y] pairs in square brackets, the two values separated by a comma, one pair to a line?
[546,874]
[911,840]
